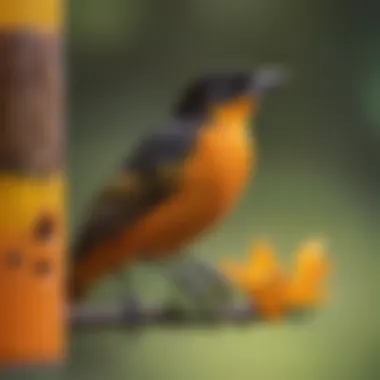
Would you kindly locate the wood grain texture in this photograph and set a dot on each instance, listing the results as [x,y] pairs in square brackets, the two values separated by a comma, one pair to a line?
[31,103]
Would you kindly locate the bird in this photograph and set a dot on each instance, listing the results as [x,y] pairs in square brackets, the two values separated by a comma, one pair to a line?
[181,181]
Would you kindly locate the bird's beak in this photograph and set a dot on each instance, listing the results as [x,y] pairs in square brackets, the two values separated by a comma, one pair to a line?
[269,78]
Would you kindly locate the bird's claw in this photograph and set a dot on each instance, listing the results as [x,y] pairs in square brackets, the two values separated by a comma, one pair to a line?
[131,310]
[131,302]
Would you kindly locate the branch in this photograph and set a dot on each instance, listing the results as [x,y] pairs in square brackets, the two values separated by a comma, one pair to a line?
[156,315]
[309,280]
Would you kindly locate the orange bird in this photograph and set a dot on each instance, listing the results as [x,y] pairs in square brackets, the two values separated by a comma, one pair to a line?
[178,183]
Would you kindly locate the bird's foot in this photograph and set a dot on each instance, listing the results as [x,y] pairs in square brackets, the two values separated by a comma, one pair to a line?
[131,310]
[205,287]
[271,290]
[130,302]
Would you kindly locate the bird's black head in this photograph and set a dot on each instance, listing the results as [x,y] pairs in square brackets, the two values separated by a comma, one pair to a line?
[223,87]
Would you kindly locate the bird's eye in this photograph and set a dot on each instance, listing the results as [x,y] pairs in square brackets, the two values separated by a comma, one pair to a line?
[240,84]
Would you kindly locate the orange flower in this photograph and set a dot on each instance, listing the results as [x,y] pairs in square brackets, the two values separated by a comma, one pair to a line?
[311,267]
[268,286]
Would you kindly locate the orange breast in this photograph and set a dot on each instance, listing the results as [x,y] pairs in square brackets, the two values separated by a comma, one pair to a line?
[213,180]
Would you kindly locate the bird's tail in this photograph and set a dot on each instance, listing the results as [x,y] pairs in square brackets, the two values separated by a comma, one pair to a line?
[76,289]
[89,266]
[82,261]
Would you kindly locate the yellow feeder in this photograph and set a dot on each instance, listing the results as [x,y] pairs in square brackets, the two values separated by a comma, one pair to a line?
[32,184]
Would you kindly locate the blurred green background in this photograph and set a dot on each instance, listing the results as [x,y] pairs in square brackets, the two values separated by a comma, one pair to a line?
[319,146]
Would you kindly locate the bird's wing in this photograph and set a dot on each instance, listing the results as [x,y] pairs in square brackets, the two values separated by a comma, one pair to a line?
[147,178]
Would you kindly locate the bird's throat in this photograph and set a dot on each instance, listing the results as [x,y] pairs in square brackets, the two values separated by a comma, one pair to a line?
[236,114]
